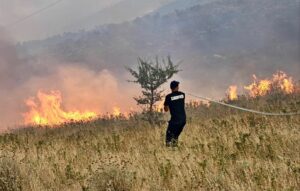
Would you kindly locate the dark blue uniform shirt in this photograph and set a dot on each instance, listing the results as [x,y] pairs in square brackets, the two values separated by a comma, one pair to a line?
[176,103]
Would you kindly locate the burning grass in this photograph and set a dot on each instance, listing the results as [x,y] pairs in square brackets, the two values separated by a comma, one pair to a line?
[46,109]
[220,149]
[280,83]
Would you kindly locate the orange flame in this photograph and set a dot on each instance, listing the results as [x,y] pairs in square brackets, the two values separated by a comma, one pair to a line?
[160,106]
[46,109]
[280,81]
[259,88]
[116,112]
[232,93]
[285,83]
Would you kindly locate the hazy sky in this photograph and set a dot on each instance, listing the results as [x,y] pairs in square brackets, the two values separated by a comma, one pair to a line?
[68,15]
[51,21]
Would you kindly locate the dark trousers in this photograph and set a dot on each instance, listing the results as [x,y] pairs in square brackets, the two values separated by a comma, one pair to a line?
[173,132]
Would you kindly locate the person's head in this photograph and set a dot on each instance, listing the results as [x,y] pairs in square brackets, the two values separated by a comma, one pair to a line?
[174,86]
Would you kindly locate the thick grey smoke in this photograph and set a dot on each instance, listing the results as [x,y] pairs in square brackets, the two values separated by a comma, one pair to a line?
[10,74]
[82,89]
[221,44]
[9,62]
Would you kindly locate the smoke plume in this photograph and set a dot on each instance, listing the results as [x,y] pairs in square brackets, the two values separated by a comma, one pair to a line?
[81,88]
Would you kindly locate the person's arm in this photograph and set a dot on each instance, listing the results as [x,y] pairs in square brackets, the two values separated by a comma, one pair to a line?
[166,104]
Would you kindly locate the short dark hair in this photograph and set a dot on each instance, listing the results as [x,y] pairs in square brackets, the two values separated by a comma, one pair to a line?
[174,84]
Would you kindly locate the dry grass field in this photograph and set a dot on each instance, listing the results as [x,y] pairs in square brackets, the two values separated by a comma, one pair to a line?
[219,149]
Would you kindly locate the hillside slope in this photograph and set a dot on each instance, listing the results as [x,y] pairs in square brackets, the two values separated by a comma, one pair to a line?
[179,5]
[124,10]
[219,149]
[230,38]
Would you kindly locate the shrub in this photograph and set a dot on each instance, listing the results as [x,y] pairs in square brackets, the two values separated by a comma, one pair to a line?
[10,175]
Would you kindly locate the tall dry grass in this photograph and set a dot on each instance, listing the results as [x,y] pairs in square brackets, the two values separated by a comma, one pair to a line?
[220,149]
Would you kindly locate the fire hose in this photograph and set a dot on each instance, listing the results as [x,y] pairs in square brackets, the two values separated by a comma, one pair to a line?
[241,108]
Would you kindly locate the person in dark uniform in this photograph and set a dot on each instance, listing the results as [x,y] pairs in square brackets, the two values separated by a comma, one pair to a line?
[175,103]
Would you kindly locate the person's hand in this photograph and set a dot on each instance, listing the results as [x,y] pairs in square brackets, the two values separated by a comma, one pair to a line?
[166,108]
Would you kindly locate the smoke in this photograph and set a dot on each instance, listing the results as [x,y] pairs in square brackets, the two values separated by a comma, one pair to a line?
[9,62]
[9,67]
[82,89]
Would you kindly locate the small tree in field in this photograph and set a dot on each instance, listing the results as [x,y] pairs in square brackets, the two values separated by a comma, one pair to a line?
[150,76]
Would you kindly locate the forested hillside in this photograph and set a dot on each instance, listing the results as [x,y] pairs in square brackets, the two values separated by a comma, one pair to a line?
[219,37]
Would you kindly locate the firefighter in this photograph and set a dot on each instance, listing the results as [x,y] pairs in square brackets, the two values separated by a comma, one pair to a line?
[175,103]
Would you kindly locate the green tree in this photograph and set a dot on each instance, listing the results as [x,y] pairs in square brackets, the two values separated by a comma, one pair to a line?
[150,75]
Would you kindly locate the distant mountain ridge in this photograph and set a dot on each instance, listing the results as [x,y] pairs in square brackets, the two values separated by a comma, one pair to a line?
[124,10]
[179,5]
[247,37]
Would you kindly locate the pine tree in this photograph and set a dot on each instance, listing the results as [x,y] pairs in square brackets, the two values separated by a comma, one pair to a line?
[150,75]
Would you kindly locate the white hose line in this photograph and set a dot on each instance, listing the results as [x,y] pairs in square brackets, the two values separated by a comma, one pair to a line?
[243,109]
